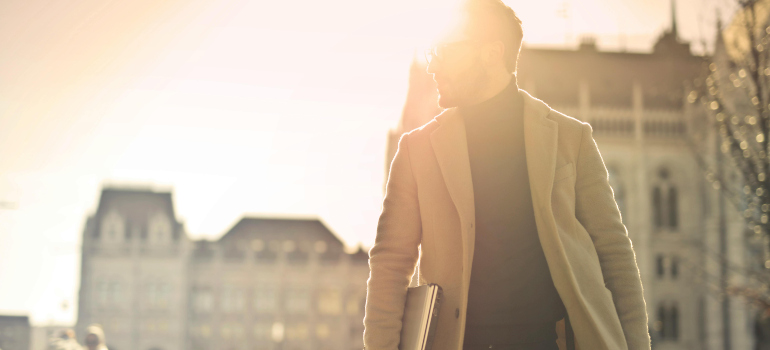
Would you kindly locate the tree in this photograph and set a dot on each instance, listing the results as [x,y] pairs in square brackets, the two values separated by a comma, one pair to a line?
[736,96]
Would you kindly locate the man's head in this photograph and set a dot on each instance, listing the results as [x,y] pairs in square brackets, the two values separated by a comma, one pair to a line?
[95,338]
[478,54]
[92,341]
[67,334]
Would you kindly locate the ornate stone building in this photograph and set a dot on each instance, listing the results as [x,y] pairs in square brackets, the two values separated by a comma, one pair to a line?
[267,283]
[638,107]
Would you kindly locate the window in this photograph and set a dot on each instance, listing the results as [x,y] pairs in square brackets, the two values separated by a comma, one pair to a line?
[660,263]
[113,228]
[329,302]
[278,332]
[108,293]
[356,329]
[660,322]
[674,267]
[156,326]
[665,202]
[331,254]
[157,295]
[664,264]
[353,305]
[233,253]
[159,229]
[297,331]
[673,214]
[657,207]
[265,300]
[320,247]
[667,324]
[205,331]
[297,301]
[322,331]
[296,254]
[200,331]
[263,330]
[231,331]
[257,245]
[203,251]
[102,293]
[232,299]
[203,300]
[674,322]
[265,254]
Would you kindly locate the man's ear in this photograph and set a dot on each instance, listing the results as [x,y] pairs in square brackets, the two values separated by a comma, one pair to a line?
[494,53]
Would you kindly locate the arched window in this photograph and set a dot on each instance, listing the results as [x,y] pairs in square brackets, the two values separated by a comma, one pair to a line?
[665,202]
[202,300]
[674,322]
[673,206]
[660,323]
[157,295]
[667,324]
[159,229]
[657,207]
[109,292]
[113,228]
[329,302]
[660,263]
[297,300]
[674,267]
[265,299]
[232,299]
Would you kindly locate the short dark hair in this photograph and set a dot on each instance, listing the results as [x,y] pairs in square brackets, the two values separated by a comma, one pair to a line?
[494,20]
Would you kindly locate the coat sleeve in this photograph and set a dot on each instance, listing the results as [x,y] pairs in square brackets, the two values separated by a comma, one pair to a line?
[393,256]
[597,211]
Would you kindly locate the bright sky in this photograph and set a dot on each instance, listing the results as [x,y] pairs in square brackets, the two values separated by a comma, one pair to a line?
[241,107]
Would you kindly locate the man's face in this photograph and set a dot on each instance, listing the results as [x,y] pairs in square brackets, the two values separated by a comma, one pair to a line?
[458,72]
[92,341]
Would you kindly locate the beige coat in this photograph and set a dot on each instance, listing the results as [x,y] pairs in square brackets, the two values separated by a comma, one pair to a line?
[428,217]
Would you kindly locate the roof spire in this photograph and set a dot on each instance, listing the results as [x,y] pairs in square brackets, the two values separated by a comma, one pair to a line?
[719,20]
[673,19]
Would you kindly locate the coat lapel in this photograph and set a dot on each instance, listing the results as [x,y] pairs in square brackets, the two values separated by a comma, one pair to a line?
[540,143]
[451,149]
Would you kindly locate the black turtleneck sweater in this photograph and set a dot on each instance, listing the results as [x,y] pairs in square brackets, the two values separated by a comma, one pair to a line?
[512,298]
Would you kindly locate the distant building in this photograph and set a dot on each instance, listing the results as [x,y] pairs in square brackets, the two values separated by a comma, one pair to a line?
[267,283]
[14,332]
[637,104]
[43,337]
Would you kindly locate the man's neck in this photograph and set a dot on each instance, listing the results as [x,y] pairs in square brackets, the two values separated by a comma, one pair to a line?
[500,105]
[497,85]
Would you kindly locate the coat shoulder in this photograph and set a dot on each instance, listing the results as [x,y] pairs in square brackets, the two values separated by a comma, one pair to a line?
[567,123]
[571,134]
[423,131]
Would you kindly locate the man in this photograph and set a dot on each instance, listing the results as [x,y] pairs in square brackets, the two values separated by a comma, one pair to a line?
[507,206]
[95,338]
[65,341]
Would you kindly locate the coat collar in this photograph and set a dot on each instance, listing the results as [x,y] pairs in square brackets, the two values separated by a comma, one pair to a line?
[451,149]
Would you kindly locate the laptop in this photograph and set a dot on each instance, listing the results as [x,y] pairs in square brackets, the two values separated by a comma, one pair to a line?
[420,317]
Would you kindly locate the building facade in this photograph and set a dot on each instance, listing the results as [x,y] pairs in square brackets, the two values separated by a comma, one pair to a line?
[642,114]
[265,284]
[44,337]
[14,332]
